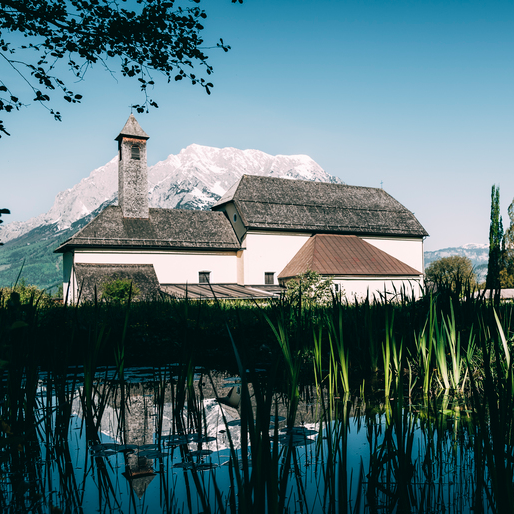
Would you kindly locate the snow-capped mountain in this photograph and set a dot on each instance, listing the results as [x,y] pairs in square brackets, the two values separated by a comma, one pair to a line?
[193,179]
[477,253]
[72,204]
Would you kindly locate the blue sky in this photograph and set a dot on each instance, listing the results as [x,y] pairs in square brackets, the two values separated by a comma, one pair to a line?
[417,95]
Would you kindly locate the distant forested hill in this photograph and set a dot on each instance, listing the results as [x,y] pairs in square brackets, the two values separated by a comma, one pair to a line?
[477,253]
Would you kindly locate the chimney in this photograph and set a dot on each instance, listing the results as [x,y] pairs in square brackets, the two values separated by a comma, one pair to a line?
[132,170]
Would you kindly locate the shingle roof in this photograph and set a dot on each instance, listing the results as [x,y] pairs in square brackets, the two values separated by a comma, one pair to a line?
[90,276]
[300,205]
[338,255]
[132,129]
[164,228]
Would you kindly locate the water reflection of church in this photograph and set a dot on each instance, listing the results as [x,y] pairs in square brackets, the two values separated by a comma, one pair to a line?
[134,419]
[138,429]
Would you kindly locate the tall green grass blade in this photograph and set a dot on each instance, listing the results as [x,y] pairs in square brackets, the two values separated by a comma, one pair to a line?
[503,339]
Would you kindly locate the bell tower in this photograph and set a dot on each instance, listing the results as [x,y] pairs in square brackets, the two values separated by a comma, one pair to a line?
[132,170]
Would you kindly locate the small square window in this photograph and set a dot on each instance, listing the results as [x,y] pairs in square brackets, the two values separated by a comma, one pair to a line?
[269,278]
[204,277]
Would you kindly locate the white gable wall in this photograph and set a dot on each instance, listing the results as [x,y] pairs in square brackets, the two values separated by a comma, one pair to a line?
[409,251]
[235,219]
[171,267]
[269,252]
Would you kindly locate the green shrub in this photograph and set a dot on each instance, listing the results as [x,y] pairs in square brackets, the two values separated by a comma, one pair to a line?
[23,294]
[311,287]
[119,289]
[455,273]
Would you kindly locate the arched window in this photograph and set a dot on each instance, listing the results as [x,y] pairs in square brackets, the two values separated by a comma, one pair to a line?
[134,154]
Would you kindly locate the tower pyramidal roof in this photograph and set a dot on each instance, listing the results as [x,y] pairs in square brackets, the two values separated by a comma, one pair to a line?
[132,129]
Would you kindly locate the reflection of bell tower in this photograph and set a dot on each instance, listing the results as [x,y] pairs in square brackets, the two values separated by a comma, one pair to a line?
[139,430]
[132,170]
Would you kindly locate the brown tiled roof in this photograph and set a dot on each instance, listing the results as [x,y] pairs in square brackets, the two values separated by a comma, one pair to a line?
[301,205]
[339,255]
[164,228]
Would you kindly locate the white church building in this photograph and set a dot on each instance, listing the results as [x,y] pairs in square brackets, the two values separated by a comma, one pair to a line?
[263,232]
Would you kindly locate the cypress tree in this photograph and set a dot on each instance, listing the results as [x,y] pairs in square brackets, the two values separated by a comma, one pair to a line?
[495,241]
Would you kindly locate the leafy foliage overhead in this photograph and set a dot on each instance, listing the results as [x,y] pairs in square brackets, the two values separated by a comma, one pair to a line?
[136,37]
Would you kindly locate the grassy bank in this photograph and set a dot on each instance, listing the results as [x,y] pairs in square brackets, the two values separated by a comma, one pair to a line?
[436,343]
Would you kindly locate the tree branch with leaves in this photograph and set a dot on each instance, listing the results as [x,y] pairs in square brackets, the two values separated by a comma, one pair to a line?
[136,38]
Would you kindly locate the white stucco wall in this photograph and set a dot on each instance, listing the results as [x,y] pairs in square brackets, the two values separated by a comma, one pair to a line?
[170,267]
[69,284]
[269,252]
[409,251]
[263,252]
[230,210]
[357,287]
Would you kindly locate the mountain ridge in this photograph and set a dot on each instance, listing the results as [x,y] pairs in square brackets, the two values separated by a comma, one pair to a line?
[477,253]
[195,178]
[209,170]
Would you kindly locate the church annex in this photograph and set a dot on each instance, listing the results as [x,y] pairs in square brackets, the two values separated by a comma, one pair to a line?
[263,232]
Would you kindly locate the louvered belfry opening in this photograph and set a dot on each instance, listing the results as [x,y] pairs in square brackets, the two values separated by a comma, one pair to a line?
[135,154]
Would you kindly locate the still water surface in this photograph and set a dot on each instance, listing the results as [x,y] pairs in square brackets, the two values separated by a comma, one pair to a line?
[142,447]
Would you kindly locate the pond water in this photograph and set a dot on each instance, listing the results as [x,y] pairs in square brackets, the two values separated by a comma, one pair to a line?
[209,442]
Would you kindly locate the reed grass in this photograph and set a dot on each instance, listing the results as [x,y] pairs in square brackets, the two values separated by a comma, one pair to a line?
[428,347]
[495,415]
[339,353]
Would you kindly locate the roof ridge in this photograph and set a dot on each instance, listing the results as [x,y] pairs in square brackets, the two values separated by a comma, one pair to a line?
[325,206]
[291,179]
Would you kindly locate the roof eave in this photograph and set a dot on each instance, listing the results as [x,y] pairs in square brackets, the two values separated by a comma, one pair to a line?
[324,230]
[76,245]
[62,248]
[356,275]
